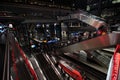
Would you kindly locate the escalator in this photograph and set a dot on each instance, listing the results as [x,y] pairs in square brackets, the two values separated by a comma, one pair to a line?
[98,57]
[16,65]
[107,53]
[23,72]
[2,54]
[94,60]
[85,17]
[46,67]
[93,70]
[99,42]
[19,69]
[3,50]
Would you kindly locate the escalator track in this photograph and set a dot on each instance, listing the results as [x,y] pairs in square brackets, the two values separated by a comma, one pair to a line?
[46,67]
[23,71]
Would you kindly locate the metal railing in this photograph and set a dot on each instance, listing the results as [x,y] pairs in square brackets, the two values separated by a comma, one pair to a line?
[6,68]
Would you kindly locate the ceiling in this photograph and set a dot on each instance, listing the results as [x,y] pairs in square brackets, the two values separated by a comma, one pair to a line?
[41,10]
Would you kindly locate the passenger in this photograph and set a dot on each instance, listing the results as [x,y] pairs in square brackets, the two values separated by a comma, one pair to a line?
[93,34]
[102,31]
[85,35]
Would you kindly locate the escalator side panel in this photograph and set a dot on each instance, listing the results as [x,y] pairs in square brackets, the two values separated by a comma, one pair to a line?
[104,41]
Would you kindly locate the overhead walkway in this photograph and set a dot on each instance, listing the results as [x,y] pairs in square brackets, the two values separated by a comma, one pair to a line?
[85,17]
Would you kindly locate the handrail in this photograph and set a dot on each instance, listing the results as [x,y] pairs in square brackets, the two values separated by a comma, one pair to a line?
[27,62]
[113,71]
[70,70]
[6,70]
[116,63]
[53,66]
[12,45]
[5,62]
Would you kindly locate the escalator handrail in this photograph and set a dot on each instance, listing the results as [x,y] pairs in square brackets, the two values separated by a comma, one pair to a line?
[27,62]
[116,63]
[6,70]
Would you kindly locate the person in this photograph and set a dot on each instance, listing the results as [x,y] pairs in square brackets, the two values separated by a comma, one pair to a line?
[85,35]
[102,30]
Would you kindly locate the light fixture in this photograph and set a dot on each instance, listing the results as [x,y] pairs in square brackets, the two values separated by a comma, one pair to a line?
[10,26]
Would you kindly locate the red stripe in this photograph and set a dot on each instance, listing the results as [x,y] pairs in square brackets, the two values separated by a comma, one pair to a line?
[27,62]
[116,63]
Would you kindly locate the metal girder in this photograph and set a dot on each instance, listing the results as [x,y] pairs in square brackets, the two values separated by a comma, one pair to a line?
[85,17]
